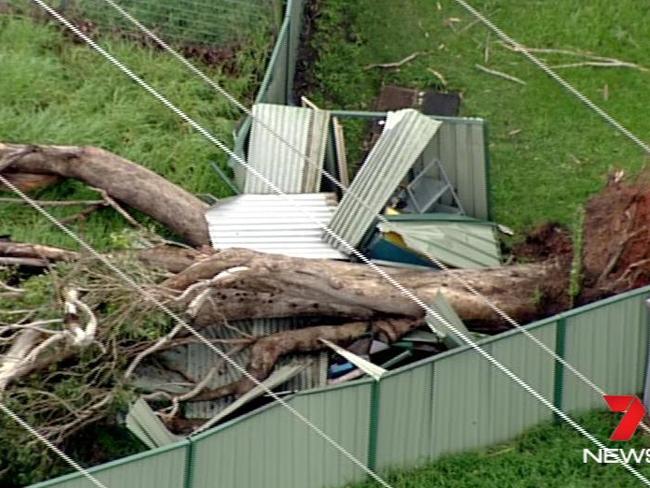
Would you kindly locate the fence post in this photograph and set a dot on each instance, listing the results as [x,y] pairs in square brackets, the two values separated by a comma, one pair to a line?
[646,382]
[558,376]
[189,464]
[374,424]
[288,72]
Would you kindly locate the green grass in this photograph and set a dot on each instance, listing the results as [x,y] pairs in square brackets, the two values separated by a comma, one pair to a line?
[53,91]
[548,152]
[547,456]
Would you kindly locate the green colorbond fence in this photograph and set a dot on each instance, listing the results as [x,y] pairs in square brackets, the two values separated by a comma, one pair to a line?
[452,402]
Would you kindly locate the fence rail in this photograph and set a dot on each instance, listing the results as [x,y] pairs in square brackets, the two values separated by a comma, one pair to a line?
[452,402]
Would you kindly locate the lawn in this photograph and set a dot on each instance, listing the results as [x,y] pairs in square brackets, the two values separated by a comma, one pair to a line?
[547,456]
[548,151]
[54,91]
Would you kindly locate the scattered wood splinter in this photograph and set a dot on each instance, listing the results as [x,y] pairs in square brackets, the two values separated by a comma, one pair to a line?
[396,64]
[500,74]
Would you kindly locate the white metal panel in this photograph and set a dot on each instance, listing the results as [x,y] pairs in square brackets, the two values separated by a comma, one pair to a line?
[270,223]
[281,136]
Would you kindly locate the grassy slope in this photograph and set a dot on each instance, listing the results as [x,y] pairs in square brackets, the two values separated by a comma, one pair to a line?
[55,92]
[548,456]
[563,151]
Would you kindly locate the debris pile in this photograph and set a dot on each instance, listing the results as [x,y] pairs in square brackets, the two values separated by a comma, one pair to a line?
[401,178]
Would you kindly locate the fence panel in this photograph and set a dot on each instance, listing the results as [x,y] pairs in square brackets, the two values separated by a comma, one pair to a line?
[459,417]
[608,343]
[513,410]
[404,419]
[475,404]
[159,468]
[277,85]
[276,450]
[276,78]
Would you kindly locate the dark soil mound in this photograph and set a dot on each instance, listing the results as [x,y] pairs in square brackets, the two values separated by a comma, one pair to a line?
[544,242]
[616,255]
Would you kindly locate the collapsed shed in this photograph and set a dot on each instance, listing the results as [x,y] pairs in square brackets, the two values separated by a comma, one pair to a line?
[412,176]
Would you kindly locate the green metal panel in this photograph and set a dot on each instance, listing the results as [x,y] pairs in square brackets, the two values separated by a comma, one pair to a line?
[404,420]
[294,12]
[158,468]
[274,449]
[461,147]
[460,419]
[459,244]
[474,404]
[608,344]
[512,409]
[272,90]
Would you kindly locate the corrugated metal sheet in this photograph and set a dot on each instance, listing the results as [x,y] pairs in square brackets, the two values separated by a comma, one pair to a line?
[460,146]
[404,428]
[475,405]
[143,422]
[274,449]
[270,223]
[405,136]
[159,468]
[455,240]
[304,130]
[450,337]
[197,360]
[608,345]
[316,151]
[278,377]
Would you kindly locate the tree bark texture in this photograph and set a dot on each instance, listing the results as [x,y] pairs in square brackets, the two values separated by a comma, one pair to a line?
[127,182]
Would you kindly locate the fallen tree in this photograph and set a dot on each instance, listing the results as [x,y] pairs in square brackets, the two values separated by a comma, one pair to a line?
[127,182]
[46,346]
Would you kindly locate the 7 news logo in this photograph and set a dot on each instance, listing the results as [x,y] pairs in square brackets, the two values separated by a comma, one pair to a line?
[633,413]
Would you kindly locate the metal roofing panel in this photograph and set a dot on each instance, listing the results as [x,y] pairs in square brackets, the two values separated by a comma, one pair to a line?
[271,223]
[305,131]
[142,421]
[462,243]
[405,136]
[197,360]
[447,312]
[316,150]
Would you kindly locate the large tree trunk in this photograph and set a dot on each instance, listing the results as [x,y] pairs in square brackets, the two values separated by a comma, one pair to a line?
[123,180]
[250,284]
